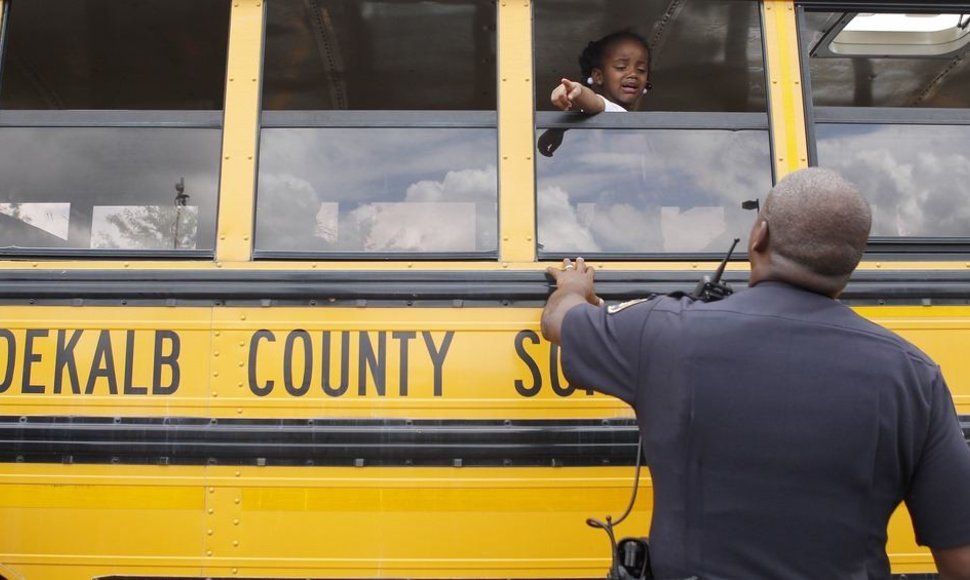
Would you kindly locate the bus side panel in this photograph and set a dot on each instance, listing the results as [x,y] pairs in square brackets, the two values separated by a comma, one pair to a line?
[82,521]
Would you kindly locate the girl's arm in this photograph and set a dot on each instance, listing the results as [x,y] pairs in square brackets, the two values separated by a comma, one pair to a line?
[570,95]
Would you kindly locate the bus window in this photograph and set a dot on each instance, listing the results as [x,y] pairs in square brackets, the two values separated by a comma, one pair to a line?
[890,94]
[669,176]
[109,129]
[379,130]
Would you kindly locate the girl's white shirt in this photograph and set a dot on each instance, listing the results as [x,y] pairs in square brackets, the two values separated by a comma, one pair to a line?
[610,106]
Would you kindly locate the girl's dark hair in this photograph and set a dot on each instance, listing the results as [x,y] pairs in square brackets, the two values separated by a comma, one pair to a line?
[592,55]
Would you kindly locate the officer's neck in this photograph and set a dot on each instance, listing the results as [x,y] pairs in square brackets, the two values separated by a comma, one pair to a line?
[778,268]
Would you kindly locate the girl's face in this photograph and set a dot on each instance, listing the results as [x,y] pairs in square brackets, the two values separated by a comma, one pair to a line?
[624,73]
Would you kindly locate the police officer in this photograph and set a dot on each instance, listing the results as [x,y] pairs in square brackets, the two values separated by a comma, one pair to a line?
[781,429]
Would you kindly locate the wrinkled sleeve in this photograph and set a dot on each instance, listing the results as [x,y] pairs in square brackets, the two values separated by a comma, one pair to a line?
[601,350]
[939,495]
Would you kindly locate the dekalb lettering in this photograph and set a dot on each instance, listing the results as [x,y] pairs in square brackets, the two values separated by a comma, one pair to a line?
[111,368]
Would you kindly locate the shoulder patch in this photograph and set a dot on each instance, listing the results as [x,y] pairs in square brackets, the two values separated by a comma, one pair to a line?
[614,308]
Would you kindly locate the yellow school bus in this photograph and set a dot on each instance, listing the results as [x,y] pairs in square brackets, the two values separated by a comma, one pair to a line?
[271,270]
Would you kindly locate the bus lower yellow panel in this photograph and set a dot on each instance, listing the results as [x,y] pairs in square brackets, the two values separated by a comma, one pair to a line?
[79,522]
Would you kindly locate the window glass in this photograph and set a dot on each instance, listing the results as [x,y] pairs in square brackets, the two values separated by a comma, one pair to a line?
[888,70]
[377,190]
[662,171]
[380,55]
[379,136]
[706,55]
[657,191]
[108,188]
[915,176]
[110,54]
[891,93]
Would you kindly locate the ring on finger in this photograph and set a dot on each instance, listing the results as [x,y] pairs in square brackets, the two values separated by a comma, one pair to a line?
[570,267]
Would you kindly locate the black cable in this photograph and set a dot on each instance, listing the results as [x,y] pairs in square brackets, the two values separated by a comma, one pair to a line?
[608,525]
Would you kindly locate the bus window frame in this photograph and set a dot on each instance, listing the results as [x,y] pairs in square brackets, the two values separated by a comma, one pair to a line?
[99,119]
[339,119]
[923,248]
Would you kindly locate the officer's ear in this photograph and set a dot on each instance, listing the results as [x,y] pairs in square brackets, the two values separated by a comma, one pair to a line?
[759,237]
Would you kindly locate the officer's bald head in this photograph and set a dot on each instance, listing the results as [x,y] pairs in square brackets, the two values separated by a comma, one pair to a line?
[818,221]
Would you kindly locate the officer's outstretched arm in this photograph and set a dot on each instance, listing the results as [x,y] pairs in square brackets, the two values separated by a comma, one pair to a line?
[953,563]
[574,286]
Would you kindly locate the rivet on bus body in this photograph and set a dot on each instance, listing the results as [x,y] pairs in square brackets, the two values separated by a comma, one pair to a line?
[208,552]
[217,333]
[235,570]
[528,157]
[235,522]
[211,511]
[528,238]
[235,543]
[246,238]
[209,531]
[238,474]
[239,411]
[230,80]
[878,265]
[694,265]
[215,354]
[236,500]
[212,490]
[242,317]
[241,364]
[215,395]
[215,374]
[222,236]
[505,265]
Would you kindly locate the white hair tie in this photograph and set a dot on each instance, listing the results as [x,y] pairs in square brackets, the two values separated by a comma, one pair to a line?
[589,81]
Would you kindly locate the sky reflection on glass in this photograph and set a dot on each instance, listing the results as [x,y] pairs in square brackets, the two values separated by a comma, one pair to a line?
[650,191]
[377,190]
[915,176]
[66,180]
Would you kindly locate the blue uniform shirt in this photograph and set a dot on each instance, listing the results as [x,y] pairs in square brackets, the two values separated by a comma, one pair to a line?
[781,430]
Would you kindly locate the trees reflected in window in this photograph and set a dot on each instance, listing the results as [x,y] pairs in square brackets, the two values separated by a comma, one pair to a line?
[377,191]
[108,188]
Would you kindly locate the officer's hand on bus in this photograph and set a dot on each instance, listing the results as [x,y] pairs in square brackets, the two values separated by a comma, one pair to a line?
[576,278]
[565,94]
